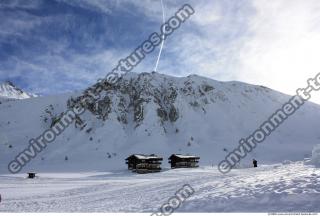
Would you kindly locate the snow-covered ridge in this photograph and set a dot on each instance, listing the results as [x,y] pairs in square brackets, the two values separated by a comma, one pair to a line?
[10,91]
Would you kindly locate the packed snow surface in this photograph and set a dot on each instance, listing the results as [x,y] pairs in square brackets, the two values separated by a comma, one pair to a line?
[268,188]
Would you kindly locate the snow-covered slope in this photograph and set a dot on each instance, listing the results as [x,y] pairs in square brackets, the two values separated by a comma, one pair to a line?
[292,187]
[10,91]
[155,113]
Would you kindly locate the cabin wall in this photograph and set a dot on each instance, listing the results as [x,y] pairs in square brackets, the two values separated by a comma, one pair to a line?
[144,166]
[184,162]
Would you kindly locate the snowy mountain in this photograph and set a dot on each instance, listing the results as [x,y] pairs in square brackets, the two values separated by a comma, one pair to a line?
[155,113]
[9,91]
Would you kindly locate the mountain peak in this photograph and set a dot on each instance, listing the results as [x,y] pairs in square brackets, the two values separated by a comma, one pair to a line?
[8,83]
[11,91]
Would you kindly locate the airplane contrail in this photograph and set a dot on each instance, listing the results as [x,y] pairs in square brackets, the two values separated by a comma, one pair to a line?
[161,46]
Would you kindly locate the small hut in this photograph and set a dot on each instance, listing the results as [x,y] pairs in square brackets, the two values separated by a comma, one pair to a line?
[142,163]
[183,161]
[31,175]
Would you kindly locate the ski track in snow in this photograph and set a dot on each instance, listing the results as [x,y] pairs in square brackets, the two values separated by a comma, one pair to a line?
[292,187]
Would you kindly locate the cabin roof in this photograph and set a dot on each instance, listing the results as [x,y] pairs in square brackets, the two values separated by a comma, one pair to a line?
[145,157]
[184,156]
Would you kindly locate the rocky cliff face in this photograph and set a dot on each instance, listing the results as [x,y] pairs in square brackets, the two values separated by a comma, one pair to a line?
[134,93]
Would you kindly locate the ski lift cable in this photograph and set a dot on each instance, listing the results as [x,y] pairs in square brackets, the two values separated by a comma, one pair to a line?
[162,42]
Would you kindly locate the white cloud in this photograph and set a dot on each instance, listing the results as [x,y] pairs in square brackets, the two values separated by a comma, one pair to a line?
[207,43]
[104,6]
[283,53]
[207,13]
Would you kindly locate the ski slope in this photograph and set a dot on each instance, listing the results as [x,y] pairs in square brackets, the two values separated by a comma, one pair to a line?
[268,188]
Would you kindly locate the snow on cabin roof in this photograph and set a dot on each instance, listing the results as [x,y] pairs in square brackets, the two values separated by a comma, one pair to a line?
[144,157]
[185,156]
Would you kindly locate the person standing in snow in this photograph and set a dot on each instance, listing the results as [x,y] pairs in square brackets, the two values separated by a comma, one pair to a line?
[255,163]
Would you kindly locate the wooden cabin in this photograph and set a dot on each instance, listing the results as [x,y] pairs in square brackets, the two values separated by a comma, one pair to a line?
[31,175]
[183,161]
[142,163]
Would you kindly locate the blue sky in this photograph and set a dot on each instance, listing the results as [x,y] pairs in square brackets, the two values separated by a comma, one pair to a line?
[56,46]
